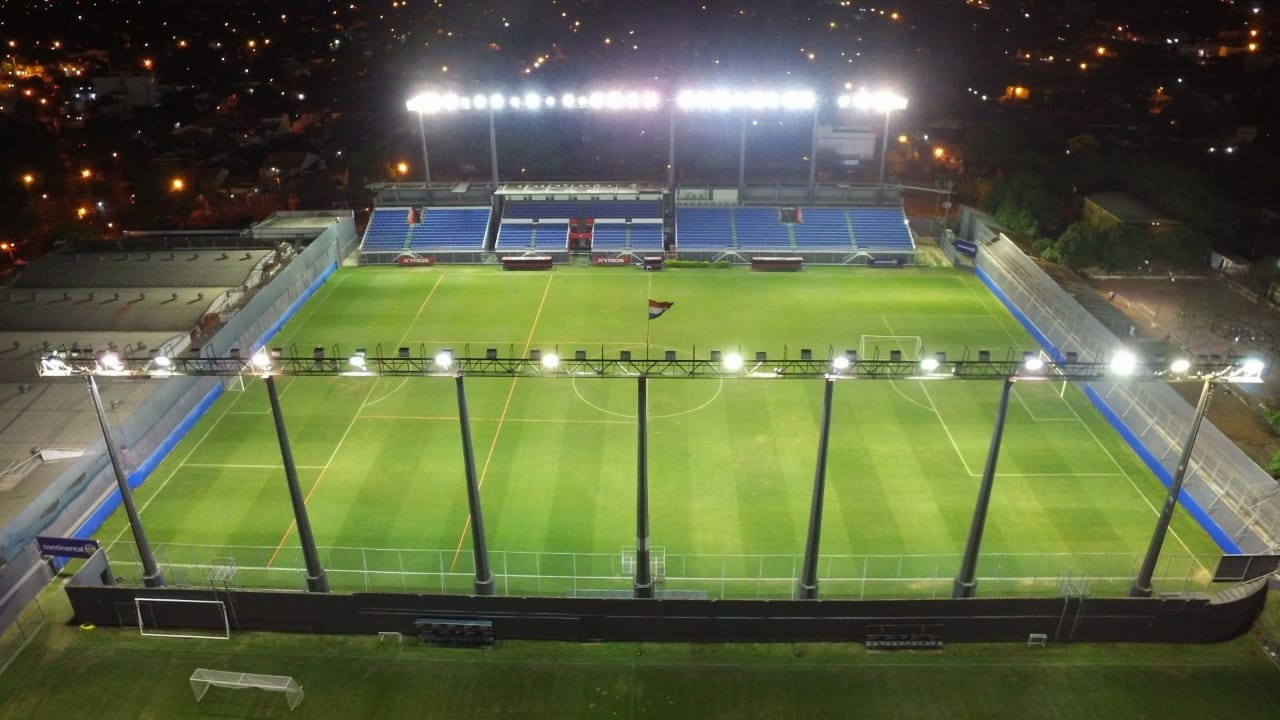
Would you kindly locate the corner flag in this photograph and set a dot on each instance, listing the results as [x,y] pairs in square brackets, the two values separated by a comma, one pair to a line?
[657,308]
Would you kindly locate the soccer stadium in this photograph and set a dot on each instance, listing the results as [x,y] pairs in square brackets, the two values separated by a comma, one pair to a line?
[620,411]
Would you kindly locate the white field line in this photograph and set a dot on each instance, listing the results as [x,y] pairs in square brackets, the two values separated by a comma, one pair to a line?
[345,433]
[238,466]
[176,468]
[550,421]
[484,472]
[1134,485]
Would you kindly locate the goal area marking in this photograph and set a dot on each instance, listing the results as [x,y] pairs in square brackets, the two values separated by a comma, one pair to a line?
[878,347]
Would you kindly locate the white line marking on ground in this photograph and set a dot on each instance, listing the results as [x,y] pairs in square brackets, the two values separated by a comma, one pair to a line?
[372,386]
[240,466]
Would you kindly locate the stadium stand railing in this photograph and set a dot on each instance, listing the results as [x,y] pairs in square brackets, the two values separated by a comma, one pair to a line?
[1235,500]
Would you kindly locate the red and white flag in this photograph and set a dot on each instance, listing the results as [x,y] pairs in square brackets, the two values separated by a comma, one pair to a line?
[657,308]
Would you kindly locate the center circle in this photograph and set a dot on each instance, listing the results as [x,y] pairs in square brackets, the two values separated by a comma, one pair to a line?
[590,394]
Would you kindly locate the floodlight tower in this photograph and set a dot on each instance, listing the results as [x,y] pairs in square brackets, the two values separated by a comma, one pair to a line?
[419,104]
[881,101]
[152,576]
[1032,369]
[1250,371]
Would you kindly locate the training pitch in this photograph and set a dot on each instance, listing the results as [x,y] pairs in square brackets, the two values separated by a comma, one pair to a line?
[731,462]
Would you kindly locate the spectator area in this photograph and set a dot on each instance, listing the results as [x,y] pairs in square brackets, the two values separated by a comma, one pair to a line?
[821,229]
[452,228]
[387,231]
[525,236]
[627,237]
[582,209]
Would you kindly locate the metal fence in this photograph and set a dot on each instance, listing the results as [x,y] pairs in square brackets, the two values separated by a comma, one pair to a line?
[1240,497]
[723,577]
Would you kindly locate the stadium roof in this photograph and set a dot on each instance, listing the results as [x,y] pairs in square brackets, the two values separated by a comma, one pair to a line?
[576,189]
[1129,209]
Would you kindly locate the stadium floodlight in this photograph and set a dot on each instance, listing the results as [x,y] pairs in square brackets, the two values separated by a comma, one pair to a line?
[929,364]
[162,361]
[533,101]
[840,363]
[514,102]
[551,361]
[721,100]
[261,360]
[549,101]
[1180,365]
[497,101]
[479,102]
[1124,363]
[649,100]
[568,101]
[732,362]
[1033,363]
[358,361]
[54,365]
[444,359]
[881,101]
[595,100]
[110,362]
[1248,372]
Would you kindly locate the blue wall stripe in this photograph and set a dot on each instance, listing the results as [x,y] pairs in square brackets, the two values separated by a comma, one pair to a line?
[139,476]
[1207,523]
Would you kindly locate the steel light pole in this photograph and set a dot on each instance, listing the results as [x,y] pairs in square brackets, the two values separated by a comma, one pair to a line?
[151,574]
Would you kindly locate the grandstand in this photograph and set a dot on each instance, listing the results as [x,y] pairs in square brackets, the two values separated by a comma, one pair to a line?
[533,237]
[820,234]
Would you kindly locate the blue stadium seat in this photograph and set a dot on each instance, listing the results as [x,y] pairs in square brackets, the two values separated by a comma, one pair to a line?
[621,209]
[758,228]
[530,236]
[881,229]
[388,230]
[646,237]
[609,236]
[704,228]
[823,229]
[450,229]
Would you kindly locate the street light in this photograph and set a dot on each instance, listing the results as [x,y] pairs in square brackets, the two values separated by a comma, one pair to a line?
[881,101]
[177,184]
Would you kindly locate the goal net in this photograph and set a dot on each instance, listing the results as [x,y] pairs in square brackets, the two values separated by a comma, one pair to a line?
[197,619]
[657,562]
[879,347]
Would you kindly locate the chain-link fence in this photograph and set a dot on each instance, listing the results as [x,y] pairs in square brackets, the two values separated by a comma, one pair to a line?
[1235,494]
[723,577]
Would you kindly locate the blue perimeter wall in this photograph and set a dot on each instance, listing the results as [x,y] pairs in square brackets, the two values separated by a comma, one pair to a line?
[1224,541]
[100,514]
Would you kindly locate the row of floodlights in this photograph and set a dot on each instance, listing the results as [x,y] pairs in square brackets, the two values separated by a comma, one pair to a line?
[698,99]
[1123,363]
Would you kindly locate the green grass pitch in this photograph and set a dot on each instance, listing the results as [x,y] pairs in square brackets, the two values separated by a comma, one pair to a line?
[731,463]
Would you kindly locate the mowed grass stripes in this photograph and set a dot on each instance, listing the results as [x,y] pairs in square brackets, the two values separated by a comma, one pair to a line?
[731,462]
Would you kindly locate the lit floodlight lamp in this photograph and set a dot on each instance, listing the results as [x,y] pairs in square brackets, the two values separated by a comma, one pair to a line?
[613,100]
[1180,366]
[261,360]
[1124,363]
[584,101]
[732,362]
[929,364]
[496,101]
[649,100]
[164,362]
[799,100]
[843,101]
[881,101]
[533,101]
[111,362]
[514,102]
[596,100]
[1249,371]
[479,102]
[549,101]
[551,361]
[631,100]
[569,101]
[358,361]
[686,100]
[1033,363]
[464,103]
[54,365]
[444,359]
[840,363]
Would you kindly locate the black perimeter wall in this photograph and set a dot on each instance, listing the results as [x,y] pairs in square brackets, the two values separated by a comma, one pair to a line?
[1180,620]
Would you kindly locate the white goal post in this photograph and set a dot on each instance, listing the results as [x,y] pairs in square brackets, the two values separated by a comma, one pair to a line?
[213,611]
[202,679]
[878,347]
